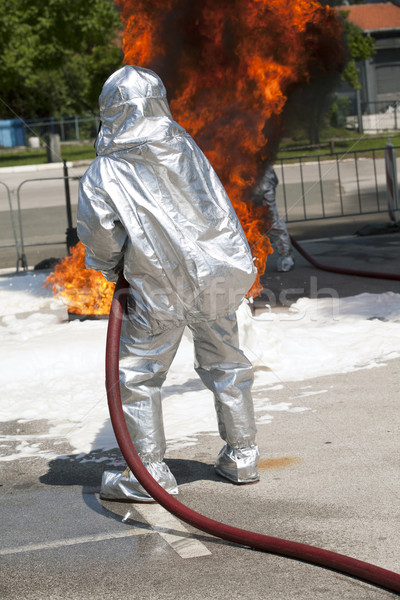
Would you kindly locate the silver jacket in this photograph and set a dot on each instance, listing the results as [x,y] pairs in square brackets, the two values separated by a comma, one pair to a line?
[151,203]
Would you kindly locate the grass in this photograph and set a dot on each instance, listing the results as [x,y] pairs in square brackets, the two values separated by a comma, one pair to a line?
[30,156]
[343,142]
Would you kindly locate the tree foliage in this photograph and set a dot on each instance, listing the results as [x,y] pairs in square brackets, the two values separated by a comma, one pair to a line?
[55,55]
[360,47]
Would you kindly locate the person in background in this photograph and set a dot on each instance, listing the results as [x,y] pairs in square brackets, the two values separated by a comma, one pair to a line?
[265,193]
[152,207]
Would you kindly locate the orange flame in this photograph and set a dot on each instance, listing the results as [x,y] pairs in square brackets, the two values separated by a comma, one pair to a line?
[228,67]
[84,291]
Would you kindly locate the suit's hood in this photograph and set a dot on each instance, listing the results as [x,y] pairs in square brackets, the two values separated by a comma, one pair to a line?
[133,110]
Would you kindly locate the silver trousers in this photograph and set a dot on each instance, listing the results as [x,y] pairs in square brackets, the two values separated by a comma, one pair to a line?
[144,363]
[145,359]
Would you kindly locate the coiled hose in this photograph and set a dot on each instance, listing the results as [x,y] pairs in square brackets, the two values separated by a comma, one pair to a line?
[317,556]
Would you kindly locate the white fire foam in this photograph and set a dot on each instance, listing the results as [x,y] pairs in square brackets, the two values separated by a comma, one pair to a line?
[52,369]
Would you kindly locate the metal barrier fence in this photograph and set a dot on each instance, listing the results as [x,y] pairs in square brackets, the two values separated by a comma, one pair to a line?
[341,186]
[371,116]
[16,211]
[11,214]
[374,117]
[309,190]
[381,106]
[348,109]
[22,260]
[68,128]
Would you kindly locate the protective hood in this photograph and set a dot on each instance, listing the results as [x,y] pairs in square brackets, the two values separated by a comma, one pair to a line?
[133,110]
[152,204]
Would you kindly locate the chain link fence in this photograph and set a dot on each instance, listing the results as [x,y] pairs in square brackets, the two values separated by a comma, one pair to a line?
[31,132]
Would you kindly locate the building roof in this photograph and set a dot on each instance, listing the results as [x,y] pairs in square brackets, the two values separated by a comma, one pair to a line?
[373,17]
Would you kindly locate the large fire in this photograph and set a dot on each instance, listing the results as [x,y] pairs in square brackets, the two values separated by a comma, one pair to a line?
[228,67]
[84,291]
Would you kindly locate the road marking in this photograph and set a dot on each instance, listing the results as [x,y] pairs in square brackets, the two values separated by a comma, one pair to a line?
[169,527]
[97,537]
[161,521]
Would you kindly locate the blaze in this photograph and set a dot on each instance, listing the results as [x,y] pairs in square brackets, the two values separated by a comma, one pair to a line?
[229,67]
[84,291]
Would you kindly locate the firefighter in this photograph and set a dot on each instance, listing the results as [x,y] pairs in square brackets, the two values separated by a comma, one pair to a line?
[265,193]
[151,206]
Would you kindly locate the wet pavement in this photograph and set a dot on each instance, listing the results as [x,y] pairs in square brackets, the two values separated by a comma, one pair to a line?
[329,477]
[375,253]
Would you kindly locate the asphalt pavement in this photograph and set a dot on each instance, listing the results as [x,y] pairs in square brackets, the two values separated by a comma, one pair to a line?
[329,478]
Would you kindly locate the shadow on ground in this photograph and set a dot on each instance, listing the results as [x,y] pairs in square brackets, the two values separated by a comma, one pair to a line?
[86,470]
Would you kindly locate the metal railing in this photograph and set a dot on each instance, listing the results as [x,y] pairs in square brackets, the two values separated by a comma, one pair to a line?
[69,128]
[342,186]
[22,260]
[11,214]
[375,117]
[17,223]
[309,190]
[381,106]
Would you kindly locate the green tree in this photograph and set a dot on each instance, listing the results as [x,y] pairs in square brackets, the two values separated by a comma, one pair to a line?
[359,47]
[55,55]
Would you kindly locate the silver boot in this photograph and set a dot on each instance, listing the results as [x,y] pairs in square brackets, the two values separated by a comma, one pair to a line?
[124,486]
[239,465]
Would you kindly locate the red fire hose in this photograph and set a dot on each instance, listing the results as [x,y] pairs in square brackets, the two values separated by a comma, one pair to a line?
[342,270]
[324,558]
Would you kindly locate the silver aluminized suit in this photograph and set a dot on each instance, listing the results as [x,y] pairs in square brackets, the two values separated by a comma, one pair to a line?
[152,205]
[277,231]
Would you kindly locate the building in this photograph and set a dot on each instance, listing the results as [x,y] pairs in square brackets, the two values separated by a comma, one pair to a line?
[380,76]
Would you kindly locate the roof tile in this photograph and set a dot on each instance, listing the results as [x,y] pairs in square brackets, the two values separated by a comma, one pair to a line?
[373,16]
